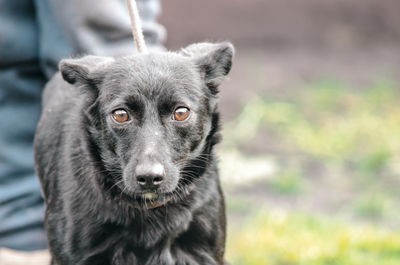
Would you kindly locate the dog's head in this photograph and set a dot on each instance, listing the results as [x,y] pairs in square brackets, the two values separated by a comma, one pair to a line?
[152,118]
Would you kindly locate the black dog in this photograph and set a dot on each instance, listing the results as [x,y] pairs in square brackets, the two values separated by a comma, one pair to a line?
[124,153]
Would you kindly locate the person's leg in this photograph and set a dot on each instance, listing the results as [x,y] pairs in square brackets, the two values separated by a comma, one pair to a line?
[21,82]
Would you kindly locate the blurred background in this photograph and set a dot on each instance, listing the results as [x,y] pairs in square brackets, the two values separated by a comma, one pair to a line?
[310,161]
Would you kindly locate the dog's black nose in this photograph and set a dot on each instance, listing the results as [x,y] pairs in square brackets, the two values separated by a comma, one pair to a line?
[150,181]
[149,176]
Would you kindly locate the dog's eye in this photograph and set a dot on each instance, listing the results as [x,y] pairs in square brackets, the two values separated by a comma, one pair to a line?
[120,115]
[181,114]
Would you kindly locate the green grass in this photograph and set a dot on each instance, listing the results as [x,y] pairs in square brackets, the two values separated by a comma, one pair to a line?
[371,205]
[287,182]
[353,133]
[327,120]
[324,133]
[278,238]
[238,204]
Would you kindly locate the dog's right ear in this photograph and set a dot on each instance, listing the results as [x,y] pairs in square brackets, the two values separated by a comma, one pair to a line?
[213,59]
[80,71]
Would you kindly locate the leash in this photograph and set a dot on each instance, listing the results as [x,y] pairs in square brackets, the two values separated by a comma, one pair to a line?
[136,25]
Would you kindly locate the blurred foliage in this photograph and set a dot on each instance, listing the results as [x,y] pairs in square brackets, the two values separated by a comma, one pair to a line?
[239,205]
[327,134]
[354,134]
[329,121]
[372,205]
[287,182]
[278,238]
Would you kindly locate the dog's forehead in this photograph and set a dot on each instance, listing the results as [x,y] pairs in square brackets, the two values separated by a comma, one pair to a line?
[152,73]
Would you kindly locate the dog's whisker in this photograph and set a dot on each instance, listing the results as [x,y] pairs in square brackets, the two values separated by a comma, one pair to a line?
[115,184]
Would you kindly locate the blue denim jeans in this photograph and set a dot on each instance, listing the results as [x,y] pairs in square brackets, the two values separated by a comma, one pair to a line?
[34,36]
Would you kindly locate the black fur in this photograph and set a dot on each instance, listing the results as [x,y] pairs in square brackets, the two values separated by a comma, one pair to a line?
[96,212]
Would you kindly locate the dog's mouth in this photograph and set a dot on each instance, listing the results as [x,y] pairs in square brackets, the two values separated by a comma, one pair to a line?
[150,195]
[150,200]
[153,200]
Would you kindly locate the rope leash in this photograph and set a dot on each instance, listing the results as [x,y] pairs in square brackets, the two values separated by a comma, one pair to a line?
[137,30]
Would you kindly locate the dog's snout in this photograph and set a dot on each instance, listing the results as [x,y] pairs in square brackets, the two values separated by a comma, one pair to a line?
[149,176]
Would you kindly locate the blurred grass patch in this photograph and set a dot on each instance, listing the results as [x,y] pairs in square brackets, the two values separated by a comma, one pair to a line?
[278,238]
[330,121]
[238,204]
[287,182]
[371,205]
[352,134]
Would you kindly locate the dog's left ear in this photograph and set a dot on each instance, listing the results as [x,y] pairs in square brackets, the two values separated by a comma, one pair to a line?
[79,71]
[213,60]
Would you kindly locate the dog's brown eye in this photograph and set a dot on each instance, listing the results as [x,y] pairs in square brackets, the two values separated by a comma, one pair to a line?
[120,115]
[181,114]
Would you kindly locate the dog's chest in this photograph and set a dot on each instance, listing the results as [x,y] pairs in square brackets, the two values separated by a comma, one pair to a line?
[125,250]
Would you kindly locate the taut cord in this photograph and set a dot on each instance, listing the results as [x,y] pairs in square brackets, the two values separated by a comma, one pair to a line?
[137,30]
